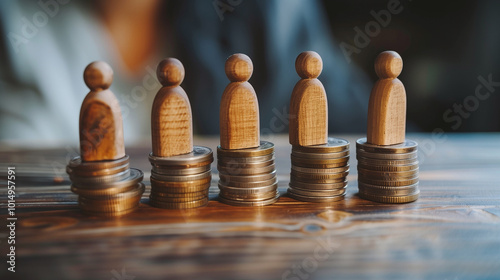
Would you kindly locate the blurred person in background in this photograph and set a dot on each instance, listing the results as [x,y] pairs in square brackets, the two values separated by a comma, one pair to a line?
[46,45]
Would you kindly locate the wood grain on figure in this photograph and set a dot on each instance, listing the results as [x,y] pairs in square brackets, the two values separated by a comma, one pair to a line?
[308,104]
[171,117]
[239,109]
[387,106]
[101,125]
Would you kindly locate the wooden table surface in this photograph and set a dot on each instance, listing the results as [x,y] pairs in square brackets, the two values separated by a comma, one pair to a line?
[451,232]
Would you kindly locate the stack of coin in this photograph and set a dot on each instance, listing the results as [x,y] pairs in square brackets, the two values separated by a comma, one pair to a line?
[181,181]
[247,176]
[106,188]
[319,172]
[388,174]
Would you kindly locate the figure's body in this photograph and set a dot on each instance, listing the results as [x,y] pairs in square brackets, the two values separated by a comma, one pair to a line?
[239,109]
[308,104]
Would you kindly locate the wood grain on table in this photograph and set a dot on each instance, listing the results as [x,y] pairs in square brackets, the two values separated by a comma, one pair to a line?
[451,232]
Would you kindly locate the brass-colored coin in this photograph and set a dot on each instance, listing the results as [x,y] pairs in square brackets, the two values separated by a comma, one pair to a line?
[178,189]
[78,164]
[192,195]
[181,184]
[386,162]
[316,193]
[313,186]
[175,199]
[231,165]
[111,188]
[395,183]
[246,171]
[97,172]
[362,153]
[249,203]
[388,168]
[388,191]
[265,148]
[247,178]
[246,159]
[321,170]
[183,178]
[319,199]
[249,184]
[104,207]
[118,198]
[386,175]
[407,146]
[198,155]
[306,155]
[296,179]
[112,214]
[248,191]
[179,205]
[320,166]
[332,146]
[319,161]
[389,199]
[100,180]
[250,197]
[317,176]
[181,172]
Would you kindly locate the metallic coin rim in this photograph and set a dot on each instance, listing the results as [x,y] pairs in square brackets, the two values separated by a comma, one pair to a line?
[399,183]
[199,154]
[135,177]
[179,205]
[398,191]
[389,174]
[319,161]
[322,199]
[255,184]
[248,203]
[315,193]
[313,186]
[390,199]
[249,171]
[264,148]
[175,199]
[316,176]
[188,189]
[380,156]
[321,170]
[184,178]
[256,190]
[181,172]
[248,159]
[389,149]
[383,162]
[325,156]
[247,178]
[293,178]
[77,163]
[329,147]
[97,172]
[388,168]
[181,184]
[249,198]
[246,165]
[100,179]
[118,197]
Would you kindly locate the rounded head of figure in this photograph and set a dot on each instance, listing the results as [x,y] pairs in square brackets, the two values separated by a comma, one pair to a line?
[98,75]
[239,68]
[388,65]
[170,72]
[309,65]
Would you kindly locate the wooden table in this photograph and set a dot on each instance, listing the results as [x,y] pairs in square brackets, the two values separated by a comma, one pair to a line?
[451,232]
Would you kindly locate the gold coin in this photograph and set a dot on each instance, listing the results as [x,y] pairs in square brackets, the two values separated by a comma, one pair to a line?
[389,199]
[316,193]
[246,171]
[388,168]
[181,184]
[364,154]
[179,189]
[179,205]
[321,170]
[198,155]
[193,195]
[306,155]
[388,191]
[320,166]
[247,159]
[296,179]
[407,146]
[247,178]
[319,161]
[249,198]
[97,172]
[137,191]
[249,184]
[318,176]
[388,175]
[396,183]
[386,162]
[248,191]
[332,146]
[181,172]
[313,186]
[111,188]
[319,199]
[229,164]
[77,163]
[249,203]
[100,180]
[265,148]
[175,199]
[103,192]
[183,178]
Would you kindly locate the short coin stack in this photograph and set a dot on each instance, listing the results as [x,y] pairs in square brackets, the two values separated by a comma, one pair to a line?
[247,176]
[319,172]
[181,181]
[388,174]
[106,188]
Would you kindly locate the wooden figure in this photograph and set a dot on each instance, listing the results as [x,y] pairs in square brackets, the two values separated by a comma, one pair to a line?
[387,106]
[101,125]
[171,117]
[308,104]
[239,109]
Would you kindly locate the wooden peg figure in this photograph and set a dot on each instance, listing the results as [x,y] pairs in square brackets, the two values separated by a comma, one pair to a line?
[239,109]
[171,117]
[387,105]
[308,104]
[101,125]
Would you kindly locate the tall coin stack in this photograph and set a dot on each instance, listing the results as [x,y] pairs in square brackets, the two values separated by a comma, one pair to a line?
[246,165]
[320,164]
[387,161]
[247,176]
[101,176]
[388,174]
[181,173]
[319,172]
